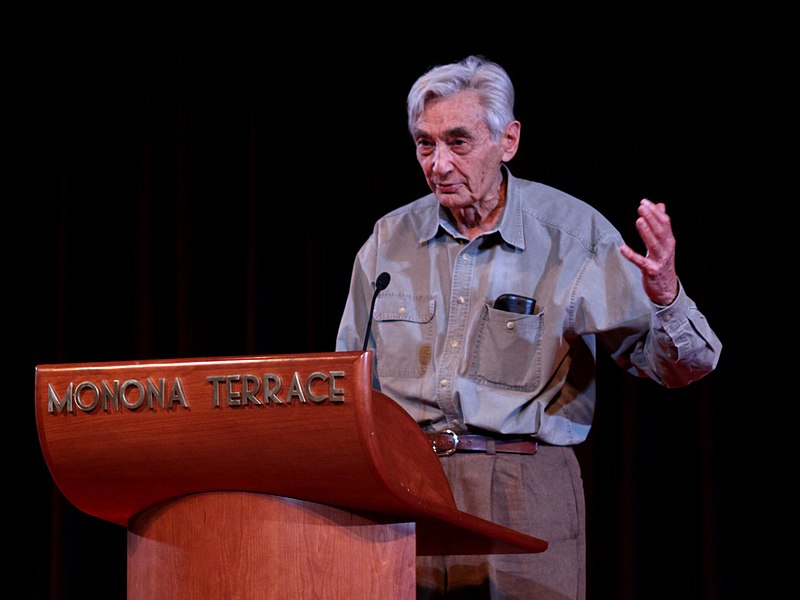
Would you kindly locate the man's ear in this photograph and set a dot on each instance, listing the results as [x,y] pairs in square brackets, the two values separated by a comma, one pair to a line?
[510,140]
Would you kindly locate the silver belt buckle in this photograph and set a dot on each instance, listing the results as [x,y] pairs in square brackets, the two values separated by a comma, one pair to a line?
[444,447]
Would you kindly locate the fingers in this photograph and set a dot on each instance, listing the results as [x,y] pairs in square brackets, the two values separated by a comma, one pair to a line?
[655,229]
[633,256]
[658,264]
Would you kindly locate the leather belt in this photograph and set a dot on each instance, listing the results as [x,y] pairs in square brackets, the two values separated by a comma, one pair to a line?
[448,442]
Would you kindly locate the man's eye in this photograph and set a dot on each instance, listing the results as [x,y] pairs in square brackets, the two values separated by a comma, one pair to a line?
[460,146]
[424,147]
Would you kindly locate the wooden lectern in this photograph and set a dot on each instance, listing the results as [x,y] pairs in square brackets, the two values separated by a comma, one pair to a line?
[282,476]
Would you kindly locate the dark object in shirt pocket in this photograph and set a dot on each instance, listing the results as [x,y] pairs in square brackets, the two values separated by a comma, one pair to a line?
[516,304]
[507,350]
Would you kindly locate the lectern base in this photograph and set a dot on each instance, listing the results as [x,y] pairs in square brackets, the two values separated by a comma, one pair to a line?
[240,545]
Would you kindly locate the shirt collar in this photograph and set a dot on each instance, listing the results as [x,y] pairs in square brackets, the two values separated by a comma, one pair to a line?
[510,227]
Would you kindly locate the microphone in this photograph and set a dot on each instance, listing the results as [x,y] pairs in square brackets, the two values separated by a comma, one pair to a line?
[380,284]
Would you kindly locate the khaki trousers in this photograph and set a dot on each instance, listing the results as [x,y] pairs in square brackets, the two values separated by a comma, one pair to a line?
[541,495]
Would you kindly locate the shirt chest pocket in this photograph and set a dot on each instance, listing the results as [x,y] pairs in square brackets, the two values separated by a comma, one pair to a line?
[508,350]
[403,327]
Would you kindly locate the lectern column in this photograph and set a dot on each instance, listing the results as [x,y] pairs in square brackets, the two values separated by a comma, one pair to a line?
[241,546]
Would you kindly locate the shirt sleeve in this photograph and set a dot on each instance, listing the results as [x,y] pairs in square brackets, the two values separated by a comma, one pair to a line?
[673,345]
[680,346]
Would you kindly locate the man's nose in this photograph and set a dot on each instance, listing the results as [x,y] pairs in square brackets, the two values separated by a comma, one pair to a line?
[442,159]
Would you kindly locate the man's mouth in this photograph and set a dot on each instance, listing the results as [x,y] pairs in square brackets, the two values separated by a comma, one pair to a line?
[446,187]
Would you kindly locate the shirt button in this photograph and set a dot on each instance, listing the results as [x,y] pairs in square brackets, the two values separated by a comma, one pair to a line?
[402,310]
[454,343]
[667,317]
[443,383]
[464,257]
[460,300]
[510,325]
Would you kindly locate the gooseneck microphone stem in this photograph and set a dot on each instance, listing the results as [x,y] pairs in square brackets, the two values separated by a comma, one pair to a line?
[380,284]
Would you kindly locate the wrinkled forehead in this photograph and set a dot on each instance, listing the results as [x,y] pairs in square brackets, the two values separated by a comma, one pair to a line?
[462,111]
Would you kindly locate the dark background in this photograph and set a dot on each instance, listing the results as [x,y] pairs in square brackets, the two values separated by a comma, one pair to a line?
[198,194]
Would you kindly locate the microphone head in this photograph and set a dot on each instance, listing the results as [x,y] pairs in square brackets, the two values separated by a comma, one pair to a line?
[383,281]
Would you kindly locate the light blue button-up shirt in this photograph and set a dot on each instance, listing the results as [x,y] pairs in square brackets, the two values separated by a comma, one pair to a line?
[452,360]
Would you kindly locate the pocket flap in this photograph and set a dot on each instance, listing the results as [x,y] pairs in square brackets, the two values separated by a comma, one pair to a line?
[404,307]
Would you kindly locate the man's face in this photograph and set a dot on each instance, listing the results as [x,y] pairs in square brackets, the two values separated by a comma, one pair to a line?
[456,152]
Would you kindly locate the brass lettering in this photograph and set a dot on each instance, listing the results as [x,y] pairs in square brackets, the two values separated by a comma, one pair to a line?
[248,389]
[106,396]
[295,389]
[271,391]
